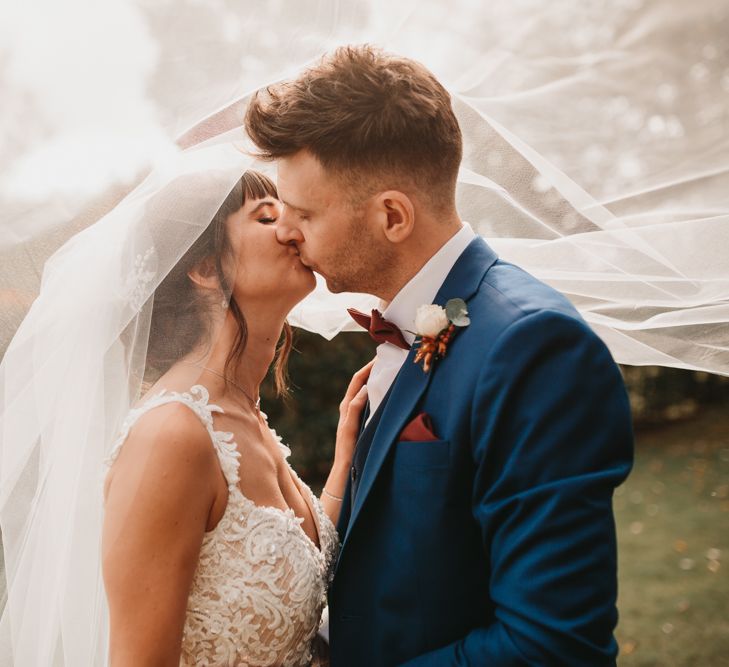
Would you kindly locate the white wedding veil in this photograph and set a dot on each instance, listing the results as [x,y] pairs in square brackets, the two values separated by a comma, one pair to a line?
[596,141]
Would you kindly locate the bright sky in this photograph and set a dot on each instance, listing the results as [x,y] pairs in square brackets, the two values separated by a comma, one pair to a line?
[77,89]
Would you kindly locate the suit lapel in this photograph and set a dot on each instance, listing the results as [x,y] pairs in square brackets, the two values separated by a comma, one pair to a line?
[411,382]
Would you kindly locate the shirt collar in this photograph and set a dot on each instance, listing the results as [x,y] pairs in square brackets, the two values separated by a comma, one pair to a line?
[424,285]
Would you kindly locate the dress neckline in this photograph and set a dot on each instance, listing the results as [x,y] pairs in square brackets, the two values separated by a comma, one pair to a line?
[199,397]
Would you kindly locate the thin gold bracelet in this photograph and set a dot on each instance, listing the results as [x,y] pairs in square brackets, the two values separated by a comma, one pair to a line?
[332,496]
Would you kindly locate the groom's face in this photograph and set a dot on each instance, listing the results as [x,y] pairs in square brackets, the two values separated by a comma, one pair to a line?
[334,236]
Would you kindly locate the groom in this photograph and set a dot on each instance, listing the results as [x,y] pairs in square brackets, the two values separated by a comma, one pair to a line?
[477,525]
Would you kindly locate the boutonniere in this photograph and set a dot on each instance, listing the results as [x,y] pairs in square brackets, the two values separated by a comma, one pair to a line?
[435,328]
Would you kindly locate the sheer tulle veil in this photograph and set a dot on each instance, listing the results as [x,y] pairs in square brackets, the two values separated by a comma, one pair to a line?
[596,156]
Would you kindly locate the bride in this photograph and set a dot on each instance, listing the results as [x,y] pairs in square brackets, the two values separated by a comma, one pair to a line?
[214,551]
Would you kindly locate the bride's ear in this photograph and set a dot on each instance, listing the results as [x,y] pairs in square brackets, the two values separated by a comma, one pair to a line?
[205,274]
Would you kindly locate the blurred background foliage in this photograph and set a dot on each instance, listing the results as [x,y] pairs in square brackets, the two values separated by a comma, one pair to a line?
[320,371]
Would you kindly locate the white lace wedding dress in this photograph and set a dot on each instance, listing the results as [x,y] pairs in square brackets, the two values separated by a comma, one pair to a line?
[260,585]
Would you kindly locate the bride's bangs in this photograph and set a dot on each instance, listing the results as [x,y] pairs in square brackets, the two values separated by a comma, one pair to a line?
[257,186]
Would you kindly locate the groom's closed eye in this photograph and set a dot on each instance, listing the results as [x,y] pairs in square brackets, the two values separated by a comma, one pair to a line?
[301,212]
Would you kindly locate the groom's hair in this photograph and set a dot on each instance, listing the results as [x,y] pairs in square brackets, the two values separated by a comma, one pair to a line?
[371,118]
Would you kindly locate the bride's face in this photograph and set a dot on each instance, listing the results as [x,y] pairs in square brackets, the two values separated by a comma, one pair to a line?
[261,269]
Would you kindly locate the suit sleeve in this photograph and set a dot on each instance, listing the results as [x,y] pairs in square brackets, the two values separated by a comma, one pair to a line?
[551,439]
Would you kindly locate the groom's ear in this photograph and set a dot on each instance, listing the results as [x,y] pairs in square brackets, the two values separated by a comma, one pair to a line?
[397,214]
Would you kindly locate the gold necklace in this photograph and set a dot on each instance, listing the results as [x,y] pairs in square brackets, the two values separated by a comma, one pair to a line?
[255,403]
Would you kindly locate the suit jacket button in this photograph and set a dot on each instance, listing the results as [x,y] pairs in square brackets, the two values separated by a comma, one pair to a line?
[354,473]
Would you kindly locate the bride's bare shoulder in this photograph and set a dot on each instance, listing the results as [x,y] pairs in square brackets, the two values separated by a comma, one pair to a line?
[168,446]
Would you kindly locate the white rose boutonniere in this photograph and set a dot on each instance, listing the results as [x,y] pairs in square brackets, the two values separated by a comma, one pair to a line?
[431,320]
[435,326]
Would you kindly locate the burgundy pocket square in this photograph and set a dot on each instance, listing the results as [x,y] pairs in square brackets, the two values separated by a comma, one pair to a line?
[419,429]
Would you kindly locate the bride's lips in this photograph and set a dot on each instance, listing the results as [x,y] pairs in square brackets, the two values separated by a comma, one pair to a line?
[301,261]
[298,254]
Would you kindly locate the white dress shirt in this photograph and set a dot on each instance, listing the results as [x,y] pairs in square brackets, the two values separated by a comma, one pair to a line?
[420,290]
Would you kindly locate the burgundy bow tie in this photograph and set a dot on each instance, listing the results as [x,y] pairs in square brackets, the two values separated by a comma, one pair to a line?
[380,330]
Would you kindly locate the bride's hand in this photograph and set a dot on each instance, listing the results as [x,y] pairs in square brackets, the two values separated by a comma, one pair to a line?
[350,413]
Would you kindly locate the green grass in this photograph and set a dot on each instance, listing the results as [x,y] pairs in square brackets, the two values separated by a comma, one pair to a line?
[673,528]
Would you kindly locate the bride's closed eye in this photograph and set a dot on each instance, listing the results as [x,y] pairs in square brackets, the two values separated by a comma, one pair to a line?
[265,212]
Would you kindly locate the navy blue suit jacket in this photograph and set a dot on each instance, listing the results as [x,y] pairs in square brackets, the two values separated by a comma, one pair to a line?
[494,545]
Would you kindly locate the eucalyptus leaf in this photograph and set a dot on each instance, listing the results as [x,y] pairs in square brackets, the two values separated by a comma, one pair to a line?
[457,312]
[462,321]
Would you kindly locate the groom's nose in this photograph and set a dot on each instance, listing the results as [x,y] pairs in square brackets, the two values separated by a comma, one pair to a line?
[287,231]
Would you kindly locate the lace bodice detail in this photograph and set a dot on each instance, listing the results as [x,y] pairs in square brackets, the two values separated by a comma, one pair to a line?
[260,584]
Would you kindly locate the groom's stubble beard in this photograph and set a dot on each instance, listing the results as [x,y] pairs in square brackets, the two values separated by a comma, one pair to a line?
[359,263]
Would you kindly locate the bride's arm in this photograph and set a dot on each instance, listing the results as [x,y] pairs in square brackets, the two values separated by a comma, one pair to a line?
[160,492]
[350,415]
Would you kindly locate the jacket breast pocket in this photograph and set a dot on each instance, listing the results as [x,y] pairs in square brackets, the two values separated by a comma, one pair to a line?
[422,454]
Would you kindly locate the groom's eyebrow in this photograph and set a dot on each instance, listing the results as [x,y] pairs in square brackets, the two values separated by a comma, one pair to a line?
[293,206]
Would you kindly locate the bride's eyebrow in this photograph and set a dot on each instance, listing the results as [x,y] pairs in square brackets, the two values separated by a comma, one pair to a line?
[267,202]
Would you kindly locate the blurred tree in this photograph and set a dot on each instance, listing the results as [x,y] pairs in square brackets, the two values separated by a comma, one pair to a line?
[659,395]
[320,372]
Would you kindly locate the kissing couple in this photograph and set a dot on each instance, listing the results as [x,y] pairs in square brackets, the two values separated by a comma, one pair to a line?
[467,516]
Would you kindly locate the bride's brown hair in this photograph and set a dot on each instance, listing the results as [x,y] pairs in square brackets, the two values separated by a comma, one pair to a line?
[364,114]
[181,313]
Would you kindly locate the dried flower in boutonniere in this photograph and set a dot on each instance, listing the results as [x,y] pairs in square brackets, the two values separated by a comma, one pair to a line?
[435,327]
